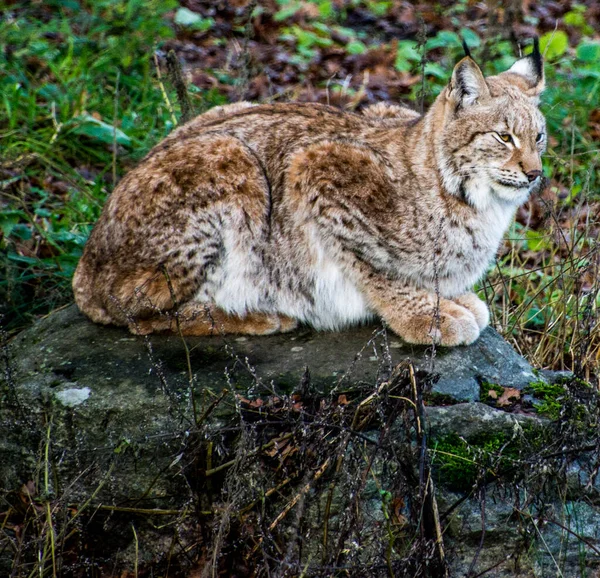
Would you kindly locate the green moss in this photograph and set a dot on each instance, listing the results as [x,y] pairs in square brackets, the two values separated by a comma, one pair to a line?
[436,399]
[486,387]
[460,463]
[549,396]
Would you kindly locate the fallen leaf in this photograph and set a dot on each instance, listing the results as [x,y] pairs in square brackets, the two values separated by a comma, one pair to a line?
[509,396]
[399,518]
[281,448]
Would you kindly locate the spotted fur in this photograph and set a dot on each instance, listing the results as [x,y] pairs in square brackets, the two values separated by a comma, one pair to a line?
[252,218]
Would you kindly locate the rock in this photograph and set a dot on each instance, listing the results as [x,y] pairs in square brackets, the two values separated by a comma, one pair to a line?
[97,418]
[470,420]
[122,390]
[490,359]
[53,351]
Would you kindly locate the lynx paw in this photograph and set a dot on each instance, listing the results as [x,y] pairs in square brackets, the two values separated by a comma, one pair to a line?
[201,320]
[257,324]
[456,326]
[476,306]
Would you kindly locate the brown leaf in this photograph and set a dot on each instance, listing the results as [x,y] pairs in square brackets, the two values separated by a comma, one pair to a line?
[281,448]
[509,396]
[398,518]
[342,400]
[28,491]
[594,124]
[493,394]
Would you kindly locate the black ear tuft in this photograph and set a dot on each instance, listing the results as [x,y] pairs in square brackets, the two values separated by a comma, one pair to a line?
[466,48]
[537,57]
[531,69]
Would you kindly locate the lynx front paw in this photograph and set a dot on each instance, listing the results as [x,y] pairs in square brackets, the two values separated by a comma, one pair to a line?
[455,325]
[476,306]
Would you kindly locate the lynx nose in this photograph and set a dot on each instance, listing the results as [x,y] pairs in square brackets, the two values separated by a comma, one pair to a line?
[532,175]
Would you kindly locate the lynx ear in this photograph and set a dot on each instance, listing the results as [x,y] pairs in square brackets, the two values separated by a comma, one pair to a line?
[531,70]
[467,85]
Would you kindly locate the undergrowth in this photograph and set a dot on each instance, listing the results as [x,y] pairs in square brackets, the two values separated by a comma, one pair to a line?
[81,103]
[306,483]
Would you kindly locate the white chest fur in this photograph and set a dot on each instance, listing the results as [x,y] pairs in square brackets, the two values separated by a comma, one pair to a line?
[477,248]
[337,301]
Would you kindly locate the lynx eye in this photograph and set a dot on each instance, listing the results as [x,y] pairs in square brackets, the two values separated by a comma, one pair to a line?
[505,137]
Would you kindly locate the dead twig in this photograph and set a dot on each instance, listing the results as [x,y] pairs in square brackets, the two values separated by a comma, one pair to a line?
[176,77]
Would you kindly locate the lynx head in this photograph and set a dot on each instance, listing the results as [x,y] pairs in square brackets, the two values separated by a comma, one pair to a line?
[494,133]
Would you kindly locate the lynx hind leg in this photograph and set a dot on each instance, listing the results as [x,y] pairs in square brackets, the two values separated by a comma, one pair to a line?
[161,235]
[85,295]
[476,306]
[203,319]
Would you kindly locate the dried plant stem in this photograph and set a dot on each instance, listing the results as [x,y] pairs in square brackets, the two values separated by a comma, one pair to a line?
[230,463]
[301,493]
[164,92]
[176,77]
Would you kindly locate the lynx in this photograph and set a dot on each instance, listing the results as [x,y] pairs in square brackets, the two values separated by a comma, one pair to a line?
[253,218]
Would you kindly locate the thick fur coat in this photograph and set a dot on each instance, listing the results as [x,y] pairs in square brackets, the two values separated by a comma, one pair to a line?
[250,219]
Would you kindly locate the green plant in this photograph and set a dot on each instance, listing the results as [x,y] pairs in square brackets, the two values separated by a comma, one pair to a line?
[549,396]
[485,388]
[310,39]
